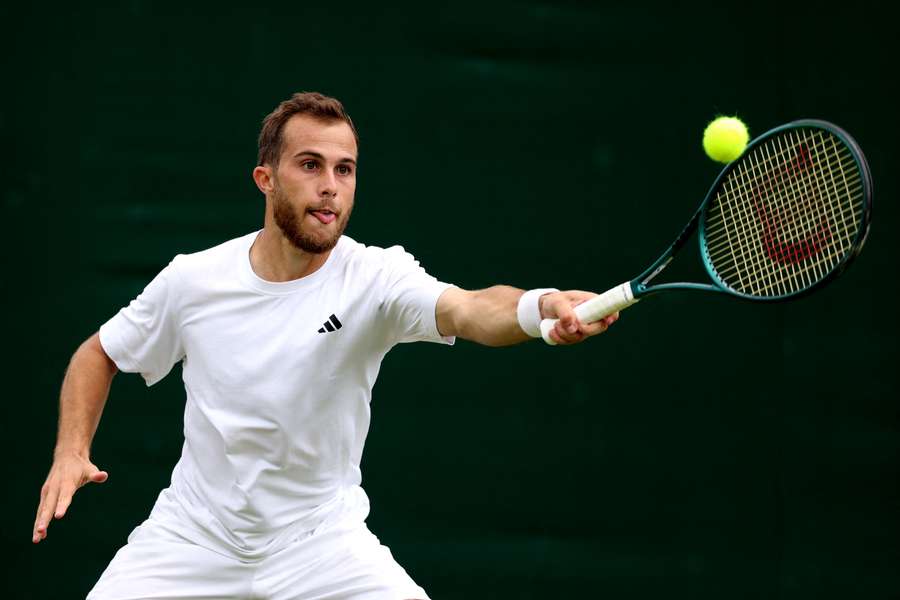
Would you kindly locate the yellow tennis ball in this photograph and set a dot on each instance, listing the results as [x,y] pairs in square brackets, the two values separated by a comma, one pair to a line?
[725,139]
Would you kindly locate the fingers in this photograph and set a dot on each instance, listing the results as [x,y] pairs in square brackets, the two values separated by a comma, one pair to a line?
[35,536]
[557,339]
[568,330]
[595,328]
[62,505]
[563,335]
[98,476]
[607,322]
[50,496]
[598,327]
[568,323]
[57,492]
[568,327]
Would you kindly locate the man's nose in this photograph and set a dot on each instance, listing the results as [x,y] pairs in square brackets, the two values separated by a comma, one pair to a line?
[327,184]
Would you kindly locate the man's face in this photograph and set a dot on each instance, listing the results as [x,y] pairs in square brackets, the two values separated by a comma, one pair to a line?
[314,183]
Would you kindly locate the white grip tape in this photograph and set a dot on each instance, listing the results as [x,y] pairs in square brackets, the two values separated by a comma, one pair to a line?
[610,301]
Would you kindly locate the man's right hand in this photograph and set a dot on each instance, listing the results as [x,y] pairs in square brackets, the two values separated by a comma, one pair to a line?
[69,472]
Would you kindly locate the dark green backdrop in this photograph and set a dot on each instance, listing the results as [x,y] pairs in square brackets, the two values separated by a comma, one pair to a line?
[704,448]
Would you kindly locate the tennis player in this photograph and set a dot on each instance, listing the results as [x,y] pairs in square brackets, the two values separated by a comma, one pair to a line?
[280,334]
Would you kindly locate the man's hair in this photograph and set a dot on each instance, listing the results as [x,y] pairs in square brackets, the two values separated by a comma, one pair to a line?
[314,104]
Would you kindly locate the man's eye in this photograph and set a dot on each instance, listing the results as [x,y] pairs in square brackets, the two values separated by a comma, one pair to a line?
[309,165]
[344,170]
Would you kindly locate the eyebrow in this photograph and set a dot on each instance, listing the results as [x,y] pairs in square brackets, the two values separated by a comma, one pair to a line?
[321,157]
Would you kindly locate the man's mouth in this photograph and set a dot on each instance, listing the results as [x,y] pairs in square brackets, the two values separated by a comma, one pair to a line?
[325,216]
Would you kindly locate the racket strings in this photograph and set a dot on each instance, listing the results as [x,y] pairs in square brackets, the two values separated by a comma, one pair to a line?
[818,222]
[768,230]
[787,215]
[814,223]
[765,227]
[759,228]
[786,192]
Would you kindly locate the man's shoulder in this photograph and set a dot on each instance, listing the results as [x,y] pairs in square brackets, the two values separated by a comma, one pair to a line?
[373,256]
[221,257]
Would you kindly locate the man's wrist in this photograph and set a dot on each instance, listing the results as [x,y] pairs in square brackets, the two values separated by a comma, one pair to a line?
[529,310]
[77,451]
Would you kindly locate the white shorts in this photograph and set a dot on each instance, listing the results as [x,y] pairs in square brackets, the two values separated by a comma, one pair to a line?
[343,561]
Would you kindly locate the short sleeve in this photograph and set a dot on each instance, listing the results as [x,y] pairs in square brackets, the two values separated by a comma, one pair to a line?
[409,299]
[145,336]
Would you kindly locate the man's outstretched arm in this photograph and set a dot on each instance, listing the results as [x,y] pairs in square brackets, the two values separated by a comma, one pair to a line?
[84,391]
[490,316]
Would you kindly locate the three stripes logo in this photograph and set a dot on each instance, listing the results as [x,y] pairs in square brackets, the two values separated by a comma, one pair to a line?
[332,324]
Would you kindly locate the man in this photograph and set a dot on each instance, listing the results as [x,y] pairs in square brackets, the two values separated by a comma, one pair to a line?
[281,333]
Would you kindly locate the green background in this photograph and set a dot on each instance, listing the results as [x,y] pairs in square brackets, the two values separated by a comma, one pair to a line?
[703,448]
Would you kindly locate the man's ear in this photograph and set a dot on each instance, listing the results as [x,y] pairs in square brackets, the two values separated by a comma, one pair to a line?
[262,175]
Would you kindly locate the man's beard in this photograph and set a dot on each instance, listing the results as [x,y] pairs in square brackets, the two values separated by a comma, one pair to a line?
[291,223]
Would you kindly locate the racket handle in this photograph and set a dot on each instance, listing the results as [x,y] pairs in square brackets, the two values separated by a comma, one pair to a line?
[610,301]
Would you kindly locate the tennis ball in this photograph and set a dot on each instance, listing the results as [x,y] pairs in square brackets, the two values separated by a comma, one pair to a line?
[725,139]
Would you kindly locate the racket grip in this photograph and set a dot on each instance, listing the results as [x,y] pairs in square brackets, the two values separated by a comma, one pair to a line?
[610,301]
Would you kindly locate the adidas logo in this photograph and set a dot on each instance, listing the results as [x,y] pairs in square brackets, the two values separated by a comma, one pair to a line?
[331,324]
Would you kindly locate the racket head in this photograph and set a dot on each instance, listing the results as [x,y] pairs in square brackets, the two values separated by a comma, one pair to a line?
[789,215]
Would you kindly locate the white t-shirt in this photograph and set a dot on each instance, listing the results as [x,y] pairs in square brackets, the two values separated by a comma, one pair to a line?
[278,378]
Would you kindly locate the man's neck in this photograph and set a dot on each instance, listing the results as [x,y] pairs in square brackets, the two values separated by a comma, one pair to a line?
[275,259]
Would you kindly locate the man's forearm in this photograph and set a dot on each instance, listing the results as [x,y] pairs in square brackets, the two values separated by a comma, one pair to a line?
[484,316]
[84,392]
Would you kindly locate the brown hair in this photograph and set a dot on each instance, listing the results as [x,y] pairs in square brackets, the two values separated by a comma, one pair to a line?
[314,104]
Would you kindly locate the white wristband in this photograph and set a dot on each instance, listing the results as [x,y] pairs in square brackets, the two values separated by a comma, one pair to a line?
[529,310]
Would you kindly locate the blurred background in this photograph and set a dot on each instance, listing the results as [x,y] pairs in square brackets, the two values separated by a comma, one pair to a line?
[703,448]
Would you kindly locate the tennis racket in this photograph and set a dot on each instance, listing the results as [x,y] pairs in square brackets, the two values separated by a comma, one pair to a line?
[785,218]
